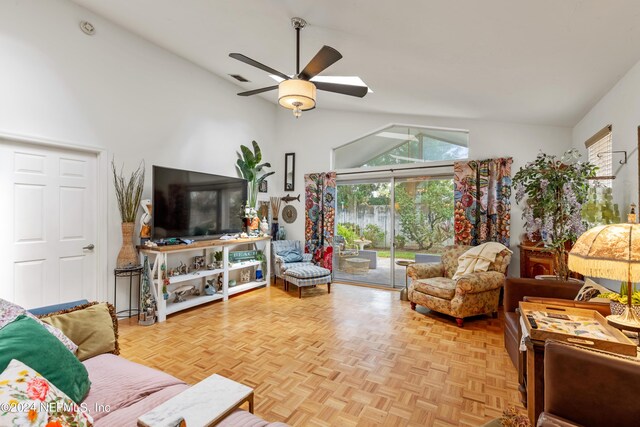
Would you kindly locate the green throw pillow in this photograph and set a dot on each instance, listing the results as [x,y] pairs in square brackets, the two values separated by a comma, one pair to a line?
[29,342]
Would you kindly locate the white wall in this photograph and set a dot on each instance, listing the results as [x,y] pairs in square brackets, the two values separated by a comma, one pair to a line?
[620,107]
[313,136]
[119,93]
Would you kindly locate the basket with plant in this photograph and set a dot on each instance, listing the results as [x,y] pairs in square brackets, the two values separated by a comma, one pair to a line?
[620,300]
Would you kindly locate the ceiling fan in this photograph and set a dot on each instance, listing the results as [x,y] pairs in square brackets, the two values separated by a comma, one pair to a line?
[298,93]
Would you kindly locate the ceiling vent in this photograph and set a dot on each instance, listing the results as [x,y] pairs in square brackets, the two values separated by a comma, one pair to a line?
[239,78]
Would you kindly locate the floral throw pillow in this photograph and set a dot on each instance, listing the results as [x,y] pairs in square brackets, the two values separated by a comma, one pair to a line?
[28,399]
[9,311]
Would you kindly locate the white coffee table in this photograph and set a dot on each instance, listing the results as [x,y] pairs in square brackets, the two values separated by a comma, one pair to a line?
[204,404]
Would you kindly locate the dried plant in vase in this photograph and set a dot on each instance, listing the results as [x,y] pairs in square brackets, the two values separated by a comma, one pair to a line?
[128,194]
[275,211]
[552,191]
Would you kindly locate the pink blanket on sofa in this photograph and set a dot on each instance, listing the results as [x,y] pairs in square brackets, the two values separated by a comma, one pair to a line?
[131,390]
[122,390]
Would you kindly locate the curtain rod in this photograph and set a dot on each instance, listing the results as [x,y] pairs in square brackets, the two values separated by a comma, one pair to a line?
[395,170]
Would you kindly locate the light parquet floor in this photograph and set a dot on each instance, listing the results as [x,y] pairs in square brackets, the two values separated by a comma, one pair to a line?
[356,357]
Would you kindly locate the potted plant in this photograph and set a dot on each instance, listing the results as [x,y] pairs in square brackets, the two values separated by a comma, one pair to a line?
[619,301]
[217,256]
[250,167]
[128,194]
[552,191]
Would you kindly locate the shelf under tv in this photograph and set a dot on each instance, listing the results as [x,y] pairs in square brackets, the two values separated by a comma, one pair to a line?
[191,301]
[160,255]
[195,275]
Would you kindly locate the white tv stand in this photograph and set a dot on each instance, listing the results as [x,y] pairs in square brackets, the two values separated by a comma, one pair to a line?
[159,256]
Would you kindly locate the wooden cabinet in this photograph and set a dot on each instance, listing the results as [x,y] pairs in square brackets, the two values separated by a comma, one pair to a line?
[535,260]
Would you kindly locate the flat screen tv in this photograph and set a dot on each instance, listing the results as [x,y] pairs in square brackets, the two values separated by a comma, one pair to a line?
[196,205]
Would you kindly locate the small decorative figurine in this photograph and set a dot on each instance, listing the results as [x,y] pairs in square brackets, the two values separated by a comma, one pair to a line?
[210,287]
[198,262]
[182,268]
[183,291]
[264,226]
[255,224]
[245,275]
[632,214]
[145,219]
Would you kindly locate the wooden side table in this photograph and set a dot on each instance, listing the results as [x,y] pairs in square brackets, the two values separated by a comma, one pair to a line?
[203,404]
[131,273]
[404,294]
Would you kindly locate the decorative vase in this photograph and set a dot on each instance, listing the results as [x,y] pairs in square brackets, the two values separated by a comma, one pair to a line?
[264,226]
[127,257]
[274,229]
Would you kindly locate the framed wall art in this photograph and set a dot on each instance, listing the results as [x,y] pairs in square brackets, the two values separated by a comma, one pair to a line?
[289,171]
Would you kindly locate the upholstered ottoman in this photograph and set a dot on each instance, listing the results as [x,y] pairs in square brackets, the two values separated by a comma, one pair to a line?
[308,275]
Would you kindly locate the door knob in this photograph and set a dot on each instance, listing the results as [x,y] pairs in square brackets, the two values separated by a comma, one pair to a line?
[89,247]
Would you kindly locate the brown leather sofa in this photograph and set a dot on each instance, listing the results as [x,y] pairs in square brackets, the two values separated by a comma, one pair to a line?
[515,290]
[586,387]
[541,291]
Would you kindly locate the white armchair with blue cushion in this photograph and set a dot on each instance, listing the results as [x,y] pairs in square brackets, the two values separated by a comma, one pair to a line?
[288,254]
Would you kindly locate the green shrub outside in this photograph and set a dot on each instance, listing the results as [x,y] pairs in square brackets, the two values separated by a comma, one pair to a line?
[375,234]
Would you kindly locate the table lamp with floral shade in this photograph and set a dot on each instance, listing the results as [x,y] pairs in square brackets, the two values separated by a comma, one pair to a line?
[611,252]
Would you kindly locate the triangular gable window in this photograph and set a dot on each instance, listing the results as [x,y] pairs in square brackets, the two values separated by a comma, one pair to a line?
[402,145]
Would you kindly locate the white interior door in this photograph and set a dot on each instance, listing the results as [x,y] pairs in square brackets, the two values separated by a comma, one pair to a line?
[48,224]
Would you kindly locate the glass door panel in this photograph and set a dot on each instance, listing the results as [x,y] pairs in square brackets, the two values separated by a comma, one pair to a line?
[362,251]
[423,211]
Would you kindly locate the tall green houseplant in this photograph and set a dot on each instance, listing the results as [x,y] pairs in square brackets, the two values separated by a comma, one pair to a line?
[249,166]
[552,191]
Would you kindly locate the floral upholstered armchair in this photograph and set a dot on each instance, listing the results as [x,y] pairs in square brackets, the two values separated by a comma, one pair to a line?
[432,285]
[288,254]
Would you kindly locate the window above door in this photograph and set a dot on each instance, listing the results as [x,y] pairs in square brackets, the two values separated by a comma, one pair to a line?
[402,145]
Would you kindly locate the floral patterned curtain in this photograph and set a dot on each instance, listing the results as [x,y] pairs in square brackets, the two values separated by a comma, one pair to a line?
[482,201]
[320,200]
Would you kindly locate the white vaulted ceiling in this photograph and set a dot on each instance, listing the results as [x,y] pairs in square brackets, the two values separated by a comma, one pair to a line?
[540,62]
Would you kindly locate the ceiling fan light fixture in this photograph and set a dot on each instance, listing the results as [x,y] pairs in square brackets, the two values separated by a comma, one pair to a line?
[297,95]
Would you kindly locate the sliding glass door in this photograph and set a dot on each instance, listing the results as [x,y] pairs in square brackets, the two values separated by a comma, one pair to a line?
[423,211]
[381,222]
[364,232]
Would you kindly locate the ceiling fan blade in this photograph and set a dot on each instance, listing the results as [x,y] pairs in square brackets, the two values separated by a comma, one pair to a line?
[351,90]
[323,60]
[257,91]
[242,58]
